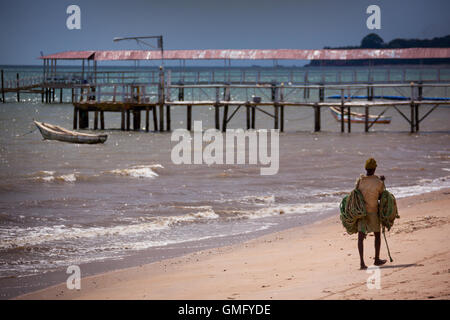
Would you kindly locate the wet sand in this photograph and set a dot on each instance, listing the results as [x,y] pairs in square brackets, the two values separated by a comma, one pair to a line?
[318,261]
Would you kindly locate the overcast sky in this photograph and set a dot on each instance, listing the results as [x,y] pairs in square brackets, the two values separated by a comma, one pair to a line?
[28,27]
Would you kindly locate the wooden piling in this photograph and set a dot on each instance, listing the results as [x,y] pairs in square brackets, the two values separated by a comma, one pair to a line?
[75,118]
[225,109]
[3,88]
[155,119]
[128,119]
[412,118]
[189,118]
[275,117]
[83,119]
[122,120]
[282,118]
[416,114]
[168,118]
[147,119]
[161,117]
[102,120]
[317,118]
[274,91]
[136,120]
[349,123]
[161,99]
[253,117]
[95,120]
[18,88]
[247,111]
[61,95]
[225,117]
[419,98]
[217,116]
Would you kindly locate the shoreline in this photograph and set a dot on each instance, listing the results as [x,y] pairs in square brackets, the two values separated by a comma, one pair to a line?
[314,261]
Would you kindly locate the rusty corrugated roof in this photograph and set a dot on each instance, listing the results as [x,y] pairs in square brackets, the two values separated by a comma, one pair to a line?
[71,55]
[256,54]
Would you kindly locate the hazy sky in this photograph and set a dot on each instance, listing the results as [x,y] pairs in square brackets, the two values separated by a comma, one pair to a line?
[28,27]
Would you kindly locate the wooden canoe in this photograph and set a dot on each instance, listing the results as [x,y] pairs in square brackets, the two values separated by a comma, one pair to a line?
[358,117]
[52,132]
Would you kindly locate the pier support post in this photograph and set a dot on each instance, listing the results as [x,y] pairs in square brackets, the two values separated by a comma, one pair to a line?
[102,120]
[224,120]
[217,116]
[281,120]
[75,118]
[161,117]
[122,120]
[83,121]
[247,111]
[253,109]
[136,120]
[412,107]
[3,88]
[416,114]
[18,88]
[189,118]
[155,118]
[96,120]
[147,119]
[227,97]
[317,119]
[128,119]
[161,99]
[419,97]
[168,118]
[61,95]
[275,117]
[349,123]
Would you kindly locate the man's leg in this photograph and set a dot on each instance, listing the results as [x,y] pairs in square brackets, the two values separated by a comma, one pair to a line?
[378,261]
[361,237]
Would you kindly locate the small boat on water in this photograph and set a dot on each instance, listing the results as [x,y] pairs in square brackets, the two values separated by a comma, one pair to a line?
[52,132]
[358,117]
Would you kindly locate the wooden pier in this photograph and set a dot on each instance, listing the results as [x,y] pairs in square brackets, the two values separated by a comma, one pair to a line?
[134,100]
[112,92]
[230,91]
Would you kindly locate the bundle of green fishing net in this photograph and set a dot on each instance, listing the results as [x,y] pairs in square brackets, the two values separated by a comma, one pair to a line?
[352,208]
[387,209]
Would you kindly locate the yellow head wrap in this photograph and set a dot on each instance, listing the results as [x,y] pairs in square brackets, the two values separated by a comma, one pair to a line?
[371,164]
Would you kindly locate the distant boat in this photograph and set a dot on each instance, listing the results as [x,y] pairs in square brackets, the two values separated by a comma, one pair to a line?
[358,117]
[52,132]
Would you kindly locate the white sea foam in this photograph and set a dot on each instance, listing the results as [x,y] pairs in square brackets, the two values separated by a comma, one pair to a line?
[17,237]
[301,208]
[424,186]
[50,176]
[144,171]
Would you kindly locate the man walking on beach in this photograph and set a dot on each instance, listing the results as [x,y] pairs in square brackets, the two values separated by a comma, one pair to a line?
[371,187]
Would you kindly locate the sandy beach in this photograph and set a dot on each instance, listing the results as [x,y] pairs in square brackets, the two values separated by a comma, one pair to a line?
[318,261]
